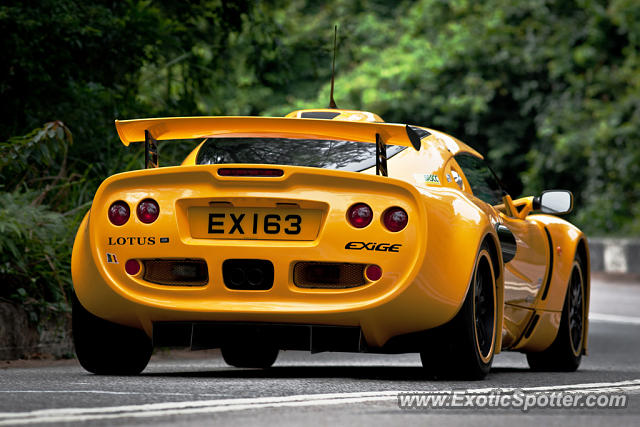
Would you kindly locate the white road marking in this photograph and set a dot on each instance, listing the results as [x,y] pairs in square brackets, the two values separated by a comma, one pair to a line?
[189,407]
[629,385]
[98,392]
[614,318]
[241,404]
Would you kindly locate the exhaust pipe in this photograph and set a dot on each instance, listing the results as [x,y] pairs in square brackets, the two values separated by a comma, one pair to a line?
[247,274]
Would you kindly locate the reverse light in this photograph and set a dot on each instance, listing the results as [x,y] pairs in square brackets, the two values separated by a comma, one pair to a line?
[373,272]
[395,219]
[148,211]
[360,215]
[119,213]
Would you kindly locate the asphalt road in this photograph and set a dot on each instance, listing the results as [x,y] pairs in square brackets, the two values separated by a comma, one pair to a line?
[180,388]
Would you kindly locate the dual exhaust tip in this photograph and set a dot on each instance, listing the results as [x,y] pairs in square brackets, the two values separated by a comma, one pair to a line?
[247,274]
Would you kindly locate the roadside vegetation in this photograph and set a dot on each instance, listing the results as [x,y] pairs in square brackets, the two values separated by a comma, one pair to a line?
[550,89]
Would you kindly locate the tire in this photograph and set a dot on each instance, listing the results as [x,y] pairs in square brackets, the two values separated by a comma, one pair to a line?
[565,353]
[253,351]
[464,347]
[106,348]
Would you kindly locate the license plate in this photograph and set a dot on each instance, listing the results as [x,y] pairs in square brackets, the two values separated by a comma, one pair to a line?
[254,223]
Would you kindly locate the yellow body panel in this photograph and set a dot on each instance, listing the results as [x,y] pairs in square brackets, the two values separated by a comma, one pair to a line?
[423,284]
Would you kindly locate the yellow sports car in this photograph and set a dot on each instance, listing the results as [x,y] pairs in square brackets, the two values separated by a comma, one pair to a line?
[326,230]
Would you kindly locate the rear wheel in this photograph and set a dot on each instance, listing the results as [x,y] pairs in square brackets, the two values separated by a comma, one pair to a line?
[107,348]
[464,348]
[565,354]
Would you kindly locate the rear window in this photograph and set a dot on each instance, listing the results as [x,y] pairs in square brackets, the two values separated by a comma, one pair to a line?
[318,153]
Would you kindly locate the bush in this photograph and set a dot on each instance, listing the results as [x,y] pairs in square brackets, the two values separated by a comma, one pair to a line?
[35,244]
[37,219]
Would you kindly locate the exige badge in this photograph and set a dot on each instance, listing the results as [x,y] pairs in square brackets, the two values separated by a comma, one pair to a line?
[373,246]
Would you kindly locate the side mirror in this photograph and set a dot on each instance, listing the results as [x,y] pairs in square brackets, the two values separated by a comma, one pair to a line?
[556,202]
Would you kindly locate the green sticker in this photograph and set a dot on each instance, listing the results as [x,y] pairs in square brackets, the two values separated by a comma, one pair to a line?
[432,178]
[426,178]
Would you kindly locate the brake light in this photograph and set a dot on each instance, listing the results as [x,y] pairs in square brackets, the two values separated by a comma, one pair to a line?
[250,172]
[395,219]
[119,212]
[148,211]
[360,215]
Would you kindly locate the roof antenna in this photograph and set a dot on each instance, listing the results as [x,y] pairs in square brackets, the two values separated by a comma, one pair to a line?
[332,103]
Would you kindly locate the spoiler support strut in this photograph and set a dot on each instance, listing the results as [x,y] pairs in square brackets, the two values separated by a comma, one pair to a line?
[150,151]
[381,156]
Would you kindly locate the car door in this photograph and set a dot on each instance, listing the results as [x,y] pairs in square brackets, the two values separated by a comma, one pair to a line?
[525,273]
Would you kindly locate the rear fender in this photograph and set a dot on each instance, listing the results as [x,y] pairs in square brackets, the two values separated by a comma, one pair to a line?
[91,289]
[567,242]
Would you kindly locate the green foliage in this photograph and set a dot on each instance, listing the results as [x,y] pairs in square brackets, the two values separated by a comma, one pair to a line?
[588,128]
[24,159]
[36,241]
[35,248]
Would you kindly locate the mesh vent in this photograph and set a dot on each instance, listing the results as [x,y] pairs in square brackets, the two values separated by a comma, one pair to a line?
[328,275]
[176,272]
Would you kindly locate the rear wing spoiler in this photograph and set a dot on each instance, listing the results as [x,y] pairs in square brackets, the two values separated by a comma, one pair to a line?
[153,130]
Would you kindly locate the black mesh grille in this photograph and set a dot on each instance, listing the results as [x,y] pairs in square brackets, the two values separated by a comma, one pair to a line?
[328,275]
[176,272]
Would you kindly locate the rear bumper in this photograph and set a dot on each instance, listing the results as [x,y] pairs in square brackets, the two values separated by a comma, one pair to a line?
[395,305]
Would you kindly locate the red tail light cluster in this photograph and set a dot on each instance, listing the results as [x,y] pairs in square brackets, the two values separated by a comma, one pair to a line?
[147,211]
[394,219]
[360,215]
[119,213]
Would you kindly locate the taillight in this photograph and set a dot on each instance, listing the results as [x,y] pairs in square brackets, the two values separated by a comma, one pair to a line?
[119,213]
[360,215]
[395,219]
[373,272]
[132,267]
[249,172]
[148,211]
